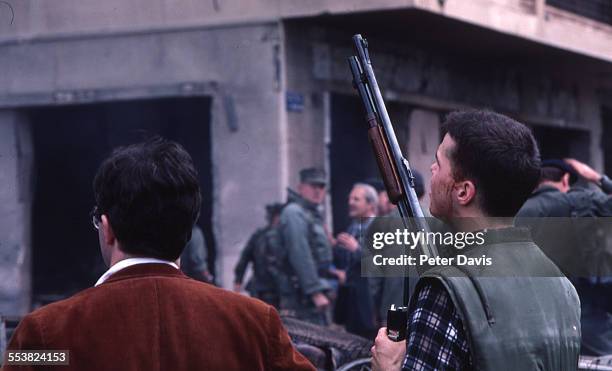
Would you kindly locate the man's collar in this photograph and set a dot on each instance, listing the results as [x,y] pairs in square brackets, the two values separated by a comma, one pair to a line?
[507,234]
[130,262]
[293,196]
[545,189]
[493,236]
[363,220]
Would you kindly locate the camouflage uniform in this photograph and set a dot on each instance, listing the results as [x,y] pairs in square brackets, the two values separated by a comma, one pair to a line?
[261,250]
[306,257]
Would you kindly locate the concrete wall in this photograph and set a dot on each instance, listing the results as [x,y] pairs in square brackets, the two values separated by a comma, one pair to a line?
[248,164]
[238,67]
[531,19]
[65,18]
[306,127]
[16,162]
[531,89]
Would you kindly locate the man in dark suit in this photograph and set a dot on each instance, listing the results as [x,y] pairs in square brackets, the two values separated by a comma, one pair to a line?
[143,313]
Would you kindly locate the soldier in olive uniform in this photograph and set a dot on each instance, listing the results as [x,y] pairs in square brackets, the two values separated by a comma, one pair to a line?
[262,250]
[306,253]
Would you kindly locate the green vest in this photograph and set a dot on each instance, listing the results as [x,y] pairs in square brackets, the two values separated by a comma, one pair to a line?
[519,313]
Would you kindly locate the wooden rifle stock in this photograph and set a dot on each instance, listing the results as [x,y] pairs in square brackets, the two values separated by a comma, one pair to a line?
[388,170]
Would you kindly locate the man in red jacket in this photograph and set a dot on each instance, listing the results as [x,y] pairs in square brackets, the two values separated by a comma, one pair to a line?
[143,313]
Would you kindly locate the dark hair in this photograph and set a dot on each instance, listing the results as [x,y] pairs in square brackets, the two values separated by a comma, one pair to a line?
[498,154]
[553,169]
[272,210]
[551,174]
[150,194]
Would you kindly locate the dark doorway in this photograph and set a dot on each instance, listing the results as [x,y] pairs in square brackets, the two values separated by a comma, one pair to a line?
[350,153]
[351,158]
[562,142]
[69,143]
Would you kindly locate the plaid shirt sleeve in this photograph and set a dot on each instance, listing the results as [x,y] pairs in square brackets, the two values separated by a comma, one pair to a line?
[436,338]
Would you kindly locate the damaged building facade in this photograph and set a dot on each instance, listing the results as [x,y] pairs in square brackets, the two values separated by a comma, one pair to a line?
[257,90]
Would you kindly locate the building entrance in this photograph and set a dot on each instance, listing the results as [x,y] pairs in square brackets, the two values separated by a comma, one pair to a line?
[69,144]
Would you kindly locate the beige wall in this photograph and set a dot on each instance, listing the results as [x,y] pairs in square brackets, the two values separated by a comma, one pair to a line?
[530,19]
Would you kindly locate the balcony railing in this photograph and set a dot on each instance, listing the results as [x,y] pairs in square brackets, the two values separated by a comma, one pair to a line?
[598,10]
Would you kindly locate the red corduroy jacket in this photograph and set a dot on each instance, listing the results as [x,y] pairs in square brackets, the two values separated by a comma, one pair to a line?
[152,317]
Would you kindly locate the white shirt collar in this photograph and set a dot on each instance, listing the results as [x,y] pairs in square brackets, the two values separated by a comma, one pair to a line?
[122,264]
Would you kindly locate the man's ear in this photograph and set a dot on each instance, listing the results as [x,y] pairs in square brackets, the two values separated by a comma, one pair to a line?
[565,180]
[465,192]
[107,231]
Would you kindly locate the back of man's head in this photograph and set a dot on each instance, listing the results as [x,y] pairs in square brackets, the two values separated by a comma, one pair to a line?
[498,154]
[557,173]
[151,196]
[551,174]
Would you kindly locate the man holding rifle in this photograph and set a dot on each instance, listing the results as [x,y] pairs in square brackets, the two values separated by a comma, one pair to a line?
[485,168]
[519,313]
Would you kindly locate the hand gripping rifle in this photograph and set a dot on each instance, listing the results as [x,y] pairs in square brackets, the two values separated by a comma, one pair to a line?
[394,168]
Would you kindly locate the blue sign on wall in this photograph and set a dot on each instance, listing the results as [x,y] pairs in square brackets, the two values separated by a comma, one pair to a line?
[295,102]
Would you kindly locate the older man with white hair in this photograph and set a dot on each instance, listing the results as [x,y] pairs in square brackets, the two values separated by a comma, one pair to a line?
[355,307]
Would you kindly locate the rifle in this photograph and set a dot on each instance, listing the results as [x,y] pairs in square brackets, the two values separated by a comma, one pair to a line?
[394,168]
